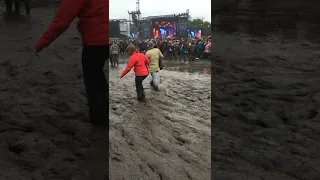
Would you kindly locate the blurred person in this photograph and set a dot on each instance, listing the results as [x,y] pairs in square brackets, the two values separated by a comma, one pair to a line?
[16,4]
[183,50]
[208,49]
[201,49]
[143,47]
[155,56]
[122,47]
[93,26]
[170,50]
[176,50]
[192,51]
[114,52]
[140,63]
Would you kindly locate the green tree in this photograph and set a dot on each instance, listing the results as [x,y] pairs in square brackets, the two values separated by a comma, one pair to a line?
[198,24]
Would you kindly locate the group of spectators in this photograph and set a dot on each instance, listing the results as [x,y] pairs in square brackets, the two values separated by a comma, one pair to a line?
[184,49]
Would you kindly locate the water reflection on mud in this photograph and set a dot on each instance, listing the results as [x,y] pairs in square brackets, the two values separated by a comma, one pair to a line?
[198,66]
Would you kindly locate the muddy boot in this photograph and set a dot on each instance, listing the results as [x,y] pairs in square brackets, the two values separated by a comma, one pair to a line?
[142,97]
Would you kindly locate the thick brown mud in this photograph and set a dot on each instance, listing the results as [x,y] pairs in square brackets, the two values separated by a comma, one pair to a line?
[167,137]
[265,109]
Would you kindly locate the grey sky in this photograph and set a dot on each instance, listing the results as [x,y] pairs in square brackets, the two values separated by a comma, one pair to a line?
[198,8]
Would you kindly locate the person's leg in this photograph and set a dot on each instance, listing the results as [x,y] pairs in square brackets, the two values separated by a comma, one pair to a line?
[112,60]
[139,87]
[96,84]
[117,59]
[143,93]
[154,80]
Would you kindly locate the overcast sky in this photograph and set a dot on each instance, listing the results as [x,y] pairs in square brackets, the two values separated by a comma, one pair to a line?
[197,8]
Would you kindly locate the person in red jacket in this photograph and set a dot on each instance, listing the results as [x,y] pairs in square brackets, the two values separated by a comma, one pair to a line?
[93,26]
[140,63]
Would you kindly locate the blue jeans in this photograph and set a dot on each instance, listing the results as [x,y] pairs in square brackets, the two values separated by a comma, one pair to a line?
[182,55]
[154,82]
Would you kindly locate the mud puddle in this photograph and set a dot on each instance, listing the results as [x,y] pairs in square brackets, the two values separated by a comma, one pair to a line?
[167,137]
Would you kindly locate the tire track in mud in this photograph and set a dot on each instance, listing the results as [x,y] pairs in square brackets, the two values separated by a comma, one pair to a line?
[167,137]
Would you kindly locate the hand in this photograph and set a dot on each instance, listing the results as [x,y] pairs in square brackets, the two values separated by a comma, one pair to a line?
[37,48]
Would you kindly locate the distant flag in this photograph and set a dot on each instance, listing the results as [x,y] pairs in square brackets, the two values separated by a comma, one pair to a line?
[187,11]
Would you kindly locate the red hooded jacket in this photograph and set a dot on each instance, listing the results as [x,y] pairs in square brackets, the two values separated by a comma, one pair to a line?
[93,22]
[139,62]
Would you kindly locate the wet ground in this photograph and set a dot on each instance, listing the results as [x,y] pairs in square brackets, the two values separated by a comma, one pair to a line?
[167,137]
[265,109]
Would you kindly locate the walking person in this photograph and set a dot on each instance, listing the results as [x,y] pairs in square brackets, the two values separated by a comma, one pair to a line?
[170,49]
[94,29]
[183,50]
[155,56]
[114,52]
[140,63]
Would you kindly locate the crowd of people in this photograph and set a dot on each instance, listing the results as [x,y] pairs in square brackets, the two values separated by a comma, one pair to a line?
[184,49]
[145,57]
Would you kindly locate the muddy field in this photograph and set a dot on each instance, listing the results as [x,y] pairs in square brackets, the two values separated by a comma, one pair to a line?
[167,137]
[44,133]
[265,109]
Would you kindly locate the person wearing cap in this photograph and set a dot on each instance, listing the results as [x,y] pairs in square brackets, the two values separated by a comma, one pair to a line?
[155,56]
[93,26]
[140,63]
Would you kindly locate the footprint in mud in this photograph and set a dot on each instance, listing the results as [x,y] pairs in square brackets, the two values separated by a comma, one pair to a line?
[182,140]
[17,148]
